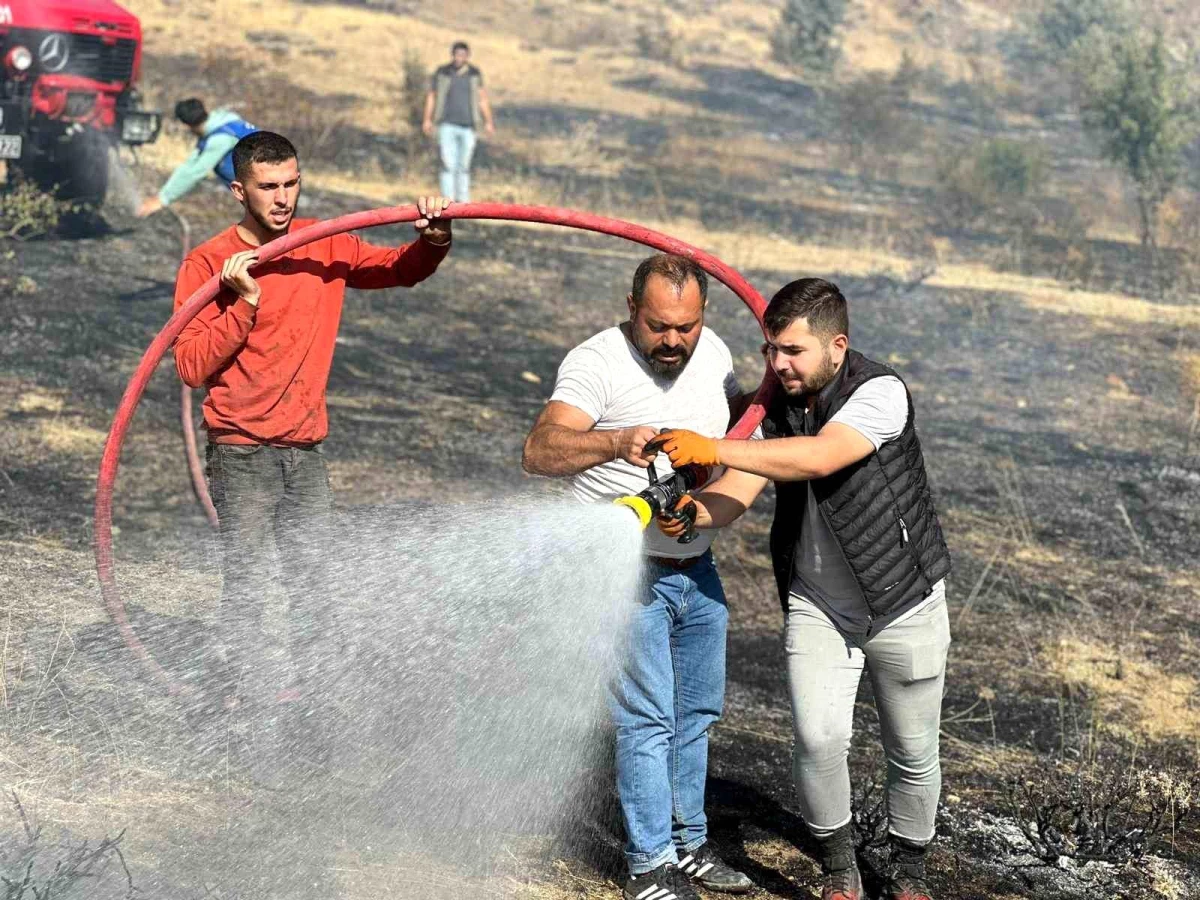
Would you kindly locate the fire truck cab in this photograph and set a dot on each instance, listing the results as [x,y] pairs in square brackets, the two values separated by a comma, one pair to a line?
[68,70]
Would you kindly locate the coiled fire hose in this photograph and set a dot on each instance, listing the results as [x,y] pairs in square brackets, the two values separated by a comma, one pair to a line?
[162,342]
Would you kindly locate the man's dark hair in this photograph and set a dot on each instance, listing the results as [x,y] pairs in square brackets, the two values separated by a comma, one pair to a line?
[676,269]
[260,147]
[460,45]
[191,111]
[816,300]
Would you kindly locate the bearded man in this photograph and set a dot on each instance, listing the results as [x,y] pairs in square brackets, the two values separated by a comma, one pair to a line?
[613,394]
[860,565]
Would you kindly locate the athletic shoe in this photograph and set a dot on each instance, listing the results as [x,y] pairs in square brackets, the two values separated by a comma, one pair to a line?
[840,879]
[666,882]
[842,884]
[900,887]
[906,871]
[703,866]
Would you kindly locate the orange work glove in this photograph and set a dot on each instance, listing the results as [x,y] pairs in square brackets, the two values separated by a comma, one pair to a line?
[686,448]
[674,528]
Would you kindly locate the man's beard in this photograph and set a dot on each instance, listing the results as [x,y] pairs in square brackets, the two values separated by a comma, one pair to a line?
[820,378]
[667,369]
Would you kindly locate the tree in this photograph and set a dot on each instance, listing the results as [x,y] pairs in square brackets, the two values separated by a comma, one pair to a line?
[1140,105]
[807,35]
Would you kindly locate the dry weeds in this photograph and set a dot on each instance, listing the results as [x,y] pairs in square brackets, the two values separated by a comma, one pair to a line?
[1129,688]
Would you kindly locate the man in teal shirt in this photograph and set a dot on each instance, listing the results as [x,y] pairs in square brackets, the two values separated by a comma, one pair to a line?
[216,134]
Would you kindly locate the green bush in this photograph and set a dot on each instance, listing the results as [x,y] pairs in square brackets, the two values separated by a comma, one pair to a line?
[807,34]
[1010,170]
[1060,24]
[27,212]
[999,179]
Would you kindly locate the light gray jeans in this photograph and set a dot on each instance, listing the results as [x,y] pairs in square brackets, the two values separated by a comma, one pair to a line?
[456,145]
[906,661]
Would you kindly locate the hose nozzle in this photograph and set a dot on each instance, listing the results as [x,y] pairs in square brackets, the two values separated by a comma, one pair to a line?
[639,506]
[661,497]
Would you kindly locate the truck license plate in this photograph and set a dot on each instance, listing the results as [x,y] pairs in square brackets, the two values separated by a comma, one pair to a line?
[10,146]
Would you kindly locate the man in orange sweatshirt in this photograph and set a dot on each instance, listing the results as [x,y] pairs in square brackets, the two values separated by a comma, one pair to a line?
[263,349]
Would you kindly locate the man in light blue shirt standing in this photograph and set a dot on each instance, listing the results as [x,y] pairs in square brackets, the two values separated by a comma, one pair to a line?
[457,104]
[216,134]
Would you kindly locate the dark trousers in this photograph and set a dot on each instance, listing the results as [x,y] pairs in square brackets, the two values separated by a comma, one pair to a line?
[273,504]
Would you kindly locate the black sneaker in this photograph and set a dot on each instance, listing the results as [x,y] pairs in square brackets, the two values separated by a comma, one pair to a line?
[703,866]
[906,871]
[840,878]
[664,883]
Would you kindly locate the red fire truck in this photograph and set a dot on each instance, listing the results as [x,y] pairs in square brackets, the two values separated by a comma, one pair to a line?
[67,74]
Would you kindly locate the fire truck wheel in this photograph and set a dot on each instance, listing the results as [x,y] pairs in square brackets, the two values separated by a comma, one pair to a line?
[85,170]
[76,171]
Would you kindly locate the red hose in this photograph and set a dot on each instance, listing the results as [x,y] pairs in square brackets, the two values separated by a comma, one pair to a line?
[192,452]
[195,468]
[386,216]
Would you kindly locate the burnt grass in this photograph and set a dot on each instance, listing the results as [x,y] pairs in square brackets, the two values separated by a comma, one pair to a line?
[1043,431]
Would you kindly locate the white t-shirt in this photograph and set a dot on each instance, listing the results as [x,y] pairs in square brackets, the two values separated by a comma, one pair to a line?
[607,378]
[878,410]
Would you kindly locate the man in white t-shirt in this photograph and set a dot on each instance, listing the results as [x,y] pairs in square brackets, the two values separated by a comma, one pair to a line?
[860,564]
[614,393]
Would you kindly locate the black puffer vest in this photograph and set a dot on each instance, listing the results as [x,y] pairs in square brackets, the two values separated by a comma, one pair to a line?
[879,509]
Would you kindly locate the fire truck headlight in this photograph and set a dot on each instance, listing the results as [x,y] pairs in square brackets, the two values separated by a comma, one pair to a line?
[19,59]
[140,127]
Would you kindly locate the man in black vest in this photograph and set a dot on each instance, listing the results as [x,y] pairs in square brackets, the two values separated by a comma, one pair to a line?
[860,564]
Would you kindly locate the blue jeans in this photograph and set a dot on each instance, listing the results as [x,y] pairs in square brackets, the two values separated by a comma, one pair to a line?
[456,143]
[669,690]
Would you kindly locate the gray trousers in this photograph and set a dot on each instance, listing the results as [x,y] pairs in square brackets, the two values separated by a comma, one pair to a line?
[906,661]
[273,505]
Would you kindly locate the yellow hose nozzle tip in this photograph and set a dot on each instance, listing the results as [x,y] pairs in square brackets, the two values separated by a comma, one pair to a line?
[640,507]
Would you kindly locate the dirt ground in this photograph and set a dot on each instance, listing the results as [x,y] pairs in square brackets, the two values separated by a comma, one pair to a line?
[1059,425]
[1071,537]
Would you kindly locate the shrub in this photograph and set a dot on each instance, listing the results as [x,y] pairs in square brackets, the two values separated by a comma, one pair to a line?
[807,34]
[319,126]
[27,212]
[998,178]
[316,126]
[414,86]
[908,75]
[1108,812]
[410,108]
[1073,260]
[1060,24]
[870,117]
[660,39]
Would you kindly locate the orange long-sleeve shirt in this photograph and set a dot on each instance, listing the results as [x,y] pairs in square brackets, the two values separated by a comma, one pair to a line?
[266,369]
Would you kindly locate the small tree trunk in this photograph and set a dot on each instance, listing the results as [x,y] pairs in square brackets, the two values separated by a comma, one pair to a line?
[1148,211]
